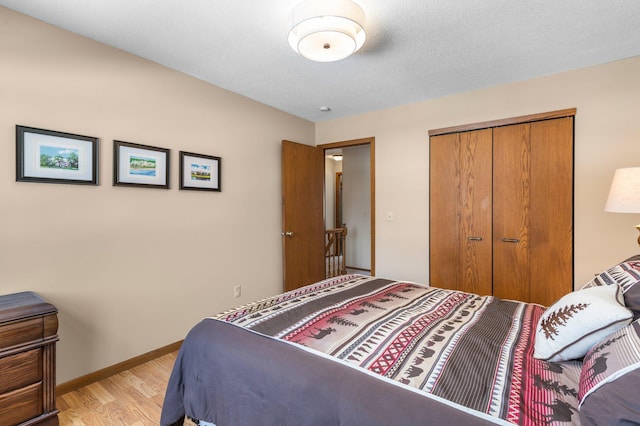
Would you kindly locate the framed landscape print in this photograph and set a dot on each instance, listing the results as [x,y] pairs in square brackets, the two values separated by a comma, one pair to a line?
[199,172]
[140,165]
[55,157]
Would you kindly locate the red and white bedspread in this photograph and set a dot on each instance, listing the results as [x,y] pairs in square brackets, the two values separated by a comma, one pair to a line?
[473,350]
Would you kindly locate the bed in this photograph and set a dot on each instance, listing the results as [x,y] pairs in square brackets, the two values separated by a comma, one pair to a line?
[362,350]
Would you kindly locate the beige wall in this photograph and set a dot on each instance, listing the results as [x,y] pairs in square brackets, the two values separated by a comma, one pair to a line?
[607,136]
[133,269]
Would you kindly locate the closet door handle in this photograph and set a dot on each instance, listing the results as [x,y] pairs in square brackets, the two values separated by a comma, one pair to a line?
[510,240]
[474,238]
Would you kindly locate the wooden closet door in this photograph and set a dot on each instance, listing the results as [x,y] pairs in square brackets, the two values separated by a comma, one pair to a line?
[444,211]
[533,211]
[460,211]
[511,209]
[551,235]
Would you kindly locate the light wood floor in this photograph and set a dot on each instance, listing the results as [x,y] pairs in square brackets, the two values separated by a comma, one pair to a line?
[131,398]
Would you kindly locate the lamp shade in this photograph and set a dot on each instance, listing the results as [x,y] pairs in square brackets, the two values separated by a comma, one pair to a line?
[327,30]
[624,195]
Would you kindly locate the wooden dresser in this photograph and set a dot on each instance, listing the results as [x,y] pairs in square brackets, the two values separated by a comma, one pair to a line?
[28,336]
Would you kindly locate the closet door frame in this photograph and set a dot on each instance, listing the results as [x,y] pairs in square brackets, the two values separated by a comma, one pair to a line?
[537,262]
[571,112]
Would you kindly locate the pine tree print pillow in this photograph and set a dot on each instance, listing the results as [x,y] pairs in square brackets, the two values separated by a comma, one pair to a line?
[579,320]
[627,275]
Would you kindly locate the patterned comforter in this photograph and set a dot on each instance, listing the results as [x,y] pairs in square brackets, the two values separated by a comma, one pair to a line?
[475,351]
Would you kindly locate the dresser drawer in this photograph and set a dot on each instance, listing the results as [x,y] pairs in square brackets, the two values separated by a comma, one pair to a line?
[20,370]
[19,332]
[28,336]
[21,405]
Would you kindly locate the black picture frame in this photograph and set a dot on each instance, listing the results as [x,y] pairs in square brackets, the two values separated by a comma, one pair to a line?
[140,165]
[49,156]
[199,172]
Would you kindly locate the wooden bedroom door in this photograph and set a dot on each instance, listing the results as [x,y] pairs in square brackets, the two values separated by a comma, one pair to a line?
[460,221]
[302,214]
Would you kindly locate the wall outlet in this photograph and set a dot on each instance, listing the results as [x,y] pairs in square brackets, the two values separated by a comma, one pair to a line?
[237,290]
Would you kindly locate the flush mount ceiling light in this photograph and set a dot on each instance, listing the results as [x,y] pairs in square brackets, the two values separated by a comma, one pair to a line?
[326,30]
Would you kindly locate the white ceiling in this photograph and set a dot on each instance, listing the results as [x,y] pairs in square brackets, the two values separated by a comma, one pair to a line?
[415,49]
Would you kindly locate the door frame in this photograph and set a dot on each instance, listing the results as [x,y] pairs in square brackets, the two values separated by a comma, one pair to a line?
[338,200]
[371,142]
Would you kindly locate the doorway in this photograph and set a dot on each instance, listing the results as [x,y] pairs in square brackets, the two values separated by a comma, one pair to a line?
[350,199]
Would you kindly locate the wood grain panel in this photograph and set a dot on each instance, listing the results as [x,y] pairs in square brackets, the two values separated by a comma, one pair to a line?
[302,214]
[444,211]
[552,210]
[511,209]
[21,405]
[20,332]
[570,112]
[476,211]
[532,198]
[50,325]
[131,397]
[49,372]
[20,370]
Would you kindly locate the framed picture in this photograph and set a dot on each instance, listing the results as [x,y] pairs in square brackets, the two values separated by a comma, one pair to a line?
[140,165]
[55,157]
[199,172]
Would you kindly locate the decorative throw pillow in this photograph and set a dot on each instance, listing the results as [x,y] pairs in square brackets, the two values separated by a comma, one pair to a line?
[572,325]
[607,361]
[627,275]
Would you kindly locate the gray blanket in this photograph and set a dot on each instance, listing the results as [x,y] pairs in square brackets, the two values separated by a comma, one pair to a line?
[257,380]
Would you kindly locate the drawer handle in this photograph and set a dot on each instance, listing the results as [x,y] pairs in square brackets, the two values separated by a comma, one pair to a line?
[510,240]
[474,238]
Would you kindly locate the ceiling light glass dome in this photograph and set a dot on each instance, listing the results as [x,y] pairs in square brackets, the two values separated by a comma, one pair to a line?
[327,30]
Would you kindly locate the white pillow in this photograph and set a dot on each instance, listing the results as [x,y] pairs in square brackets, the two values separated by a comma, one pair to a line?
[579,320]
